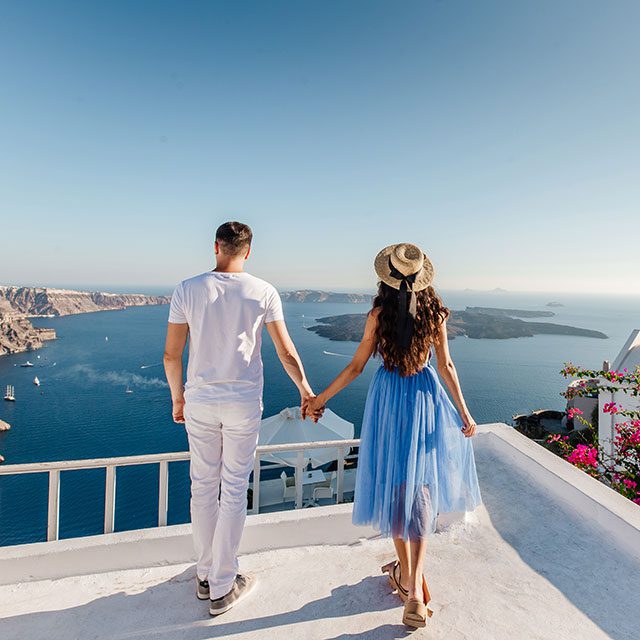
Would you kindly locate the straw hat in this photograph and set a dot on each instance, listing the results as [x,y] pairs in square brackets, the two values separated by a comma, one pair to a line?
[404,259]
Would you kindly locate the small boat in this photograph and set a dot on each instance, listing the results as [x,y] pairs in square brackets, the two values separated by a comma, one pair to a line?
[128,389]
[36,381]
[10,395]
[27,364]
[106,338]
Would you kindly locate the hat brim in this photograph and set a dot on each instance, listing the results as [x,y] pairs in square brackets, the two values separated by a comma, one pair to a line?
[381,265]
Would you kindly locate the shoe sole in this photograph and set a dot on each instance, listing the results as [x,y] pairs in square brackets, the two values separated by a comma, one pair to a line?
[414,622]
[201,594]
[243,595]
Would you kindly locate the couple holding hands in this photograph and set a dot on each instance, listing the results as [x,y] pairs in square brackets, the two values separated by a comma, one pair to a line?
[415,459]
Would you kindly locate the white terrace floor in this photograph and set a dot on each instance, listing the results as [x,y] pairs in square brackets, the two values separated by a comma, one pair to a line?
[552,554]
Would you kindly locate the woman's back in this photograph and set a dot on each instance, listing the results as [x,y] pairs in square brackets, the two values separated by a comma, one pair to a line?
[404,341]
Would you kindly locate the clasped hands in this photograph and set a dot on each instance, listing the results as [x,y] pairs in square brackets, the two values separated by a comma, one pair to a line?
[311,407]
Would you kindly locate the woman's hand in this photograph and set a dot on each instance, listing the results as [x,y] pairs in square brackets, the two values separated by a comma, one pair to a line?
[313,408]
[469,429]
[305,397]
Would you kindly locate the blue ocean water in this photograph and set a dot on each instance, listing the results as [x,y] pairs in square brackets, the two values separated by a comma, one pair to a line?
[81,409]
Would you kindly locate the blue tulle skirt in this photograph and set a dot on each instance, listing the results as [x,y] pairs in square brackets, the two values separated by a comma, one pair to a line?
[414,461]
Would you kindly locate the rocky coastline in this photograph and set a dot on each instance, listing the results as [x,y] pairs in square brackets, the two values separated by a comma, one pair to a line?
[37,302]
[18,305]
[18,335]
[473,322]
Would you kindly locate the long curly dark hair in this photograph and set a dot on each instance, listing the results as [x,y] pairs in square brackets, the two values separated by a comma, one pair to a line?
[430,313]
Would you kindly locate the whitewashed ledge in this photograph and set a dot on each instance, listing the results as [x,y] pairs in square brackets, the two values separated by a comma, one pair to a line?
[552,553]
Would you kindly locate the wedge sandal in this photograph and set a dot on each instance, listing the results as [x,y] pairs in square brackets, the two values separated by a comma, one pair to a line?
[415,614]
[392,569]
[427,597]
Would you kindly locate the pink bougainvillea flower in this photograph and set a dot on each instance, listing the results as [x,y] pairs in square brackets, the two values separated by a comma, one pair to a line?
[584,455]
[610,407]
[620,467]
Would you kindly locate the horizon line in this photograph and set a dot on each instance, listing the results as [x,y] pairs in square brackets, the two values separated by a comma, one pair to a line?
[139,288]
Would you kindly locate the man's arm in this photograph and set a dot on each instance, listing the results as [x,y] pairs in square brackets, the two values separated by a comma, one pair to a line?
[290,359]
[173,350]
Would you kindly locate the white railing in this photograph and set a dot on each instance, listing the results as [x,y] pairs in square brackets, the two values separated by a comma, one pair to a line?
[163,459]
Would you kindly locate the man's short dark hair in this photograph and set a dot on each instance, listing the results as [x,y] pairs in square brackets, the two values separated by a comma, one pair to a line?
[234,238]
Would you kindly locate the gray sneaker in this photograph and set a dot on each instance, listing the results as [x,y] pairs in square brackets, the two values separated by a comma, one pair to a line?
[241,588]
[202,589]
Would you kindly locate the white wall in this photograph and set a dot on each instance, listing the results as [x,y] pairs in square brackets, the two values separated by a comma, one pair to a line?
[607,421]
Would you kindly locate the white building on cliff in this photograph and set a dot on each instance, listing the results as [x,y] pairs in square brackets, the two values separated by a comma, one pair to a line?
[628,358]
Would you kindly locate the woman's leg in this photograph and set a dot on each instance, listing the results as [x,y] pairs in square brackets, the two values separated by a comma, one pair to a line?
[418,549]
[404,554]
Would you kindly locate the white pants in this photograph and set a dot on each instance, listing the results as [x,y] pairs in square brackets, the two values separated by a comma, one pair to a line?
[222,442]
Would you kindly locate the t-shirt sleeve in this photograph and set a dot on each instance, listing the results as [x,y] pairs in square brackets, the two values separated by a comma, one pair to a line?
[176,308]
[274,306]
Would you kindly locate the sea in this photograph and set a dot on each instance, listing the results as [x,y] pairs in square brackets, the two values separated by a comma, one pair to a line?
[82,410]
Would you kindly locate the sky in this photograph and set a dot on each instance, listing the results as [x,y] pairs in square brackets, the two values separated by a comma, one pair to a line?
[503,137]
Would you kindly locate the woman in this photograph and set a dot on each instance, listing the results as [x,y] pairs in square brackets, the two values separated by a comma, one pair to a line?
[415,458]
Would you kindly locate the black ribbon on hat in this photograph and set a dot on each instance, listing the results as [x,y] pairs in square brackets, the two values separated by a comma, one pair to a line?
[406,317]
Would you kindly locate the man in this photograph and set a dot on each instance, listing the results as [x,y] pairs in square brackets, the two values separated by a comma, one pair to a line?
[223,312]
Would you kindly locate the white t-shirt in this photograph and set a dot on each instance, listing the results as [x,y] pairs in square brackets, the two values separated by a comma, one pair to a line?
[225,313]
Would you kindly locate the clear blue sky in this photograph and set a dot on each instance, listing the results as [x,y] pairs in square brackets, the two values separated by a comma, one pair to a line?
[503,137]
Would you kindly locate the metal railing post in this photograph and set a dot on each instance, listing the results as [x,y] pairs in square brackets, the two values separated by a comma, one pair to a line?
[299,465]
[340,476]
[53,512]
[110,499]
[255,506]
[163,493]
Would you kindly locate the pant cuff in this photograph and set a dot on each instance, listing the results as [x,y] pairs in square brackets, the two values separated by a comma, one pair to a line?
[219,591]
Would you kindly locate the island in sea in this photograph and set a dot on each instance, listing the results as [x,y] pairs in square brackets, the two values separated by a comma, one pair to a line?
[313,295]
[473,322]
[19,304]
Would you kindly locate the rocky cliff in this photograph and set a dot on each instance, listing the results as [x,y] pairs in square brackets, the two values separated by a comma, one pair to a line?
[36,301]
[18,304]
[513,313]
[310,295]
[17,334]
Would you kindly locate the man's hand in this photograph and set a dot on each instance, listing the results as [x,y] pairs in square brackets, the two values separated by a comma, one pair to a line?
[178,410]
[304,404]
[314,408]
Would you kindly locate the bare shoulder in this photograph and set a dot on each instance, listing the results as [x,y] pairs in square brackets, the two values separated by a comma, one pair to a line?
[372,323]
[372,317]
[441,332]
